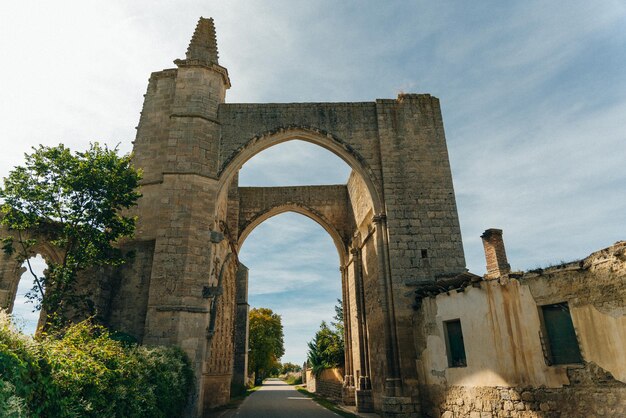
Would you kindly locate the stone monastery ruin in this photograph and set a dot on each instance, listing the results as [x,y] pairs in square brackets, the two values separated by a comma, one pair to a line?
[424,337]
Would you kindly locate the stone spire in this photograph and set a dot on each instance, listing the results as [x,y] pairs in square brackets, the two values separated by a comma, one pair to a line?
[203,45]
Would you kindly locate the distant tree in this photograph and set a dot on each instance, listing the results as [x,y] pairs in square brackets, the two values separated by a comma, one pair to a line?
[327,348]
[266,342]
[338,323]
[76,201]
[289,367]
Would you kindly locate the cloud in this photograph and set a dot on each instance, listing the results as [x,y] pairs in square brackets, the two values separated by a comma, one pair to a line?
[533,97]
[289,164]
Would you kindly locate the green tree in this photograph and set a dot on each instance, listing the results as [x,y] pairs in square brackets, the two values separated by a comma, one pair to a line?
[290,367]
[74,201]
[266,342]
[327,348]
[338,323]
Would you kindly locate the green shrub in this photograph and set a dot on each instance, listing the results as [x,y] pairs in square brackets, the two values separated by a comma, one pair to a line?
[11,405]
[293,379]
[87,373]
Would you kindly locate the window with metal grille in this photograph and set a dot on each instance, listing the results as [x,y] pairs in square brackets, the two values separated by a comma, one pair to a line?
[562,344]
[454,344]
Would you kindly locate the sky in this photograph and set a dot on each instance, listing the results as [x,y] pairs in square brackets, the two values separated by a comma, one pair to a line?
[533,95]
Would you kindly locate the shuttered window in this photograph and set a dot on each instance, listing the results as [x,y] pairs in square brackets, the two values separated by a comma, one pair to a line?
[562,343]
[454,344]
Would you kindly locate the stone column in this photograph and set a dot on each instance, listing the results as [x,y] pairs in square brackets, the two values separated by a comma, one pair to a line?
[347,335]
[177,147]
[393,382]
[240,368]
[348,380]
[363,393]
[395,404]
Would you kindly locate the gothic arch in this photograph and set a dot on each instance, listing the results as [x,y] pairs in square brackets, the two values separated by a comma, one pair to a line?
[338,240]
[234,160]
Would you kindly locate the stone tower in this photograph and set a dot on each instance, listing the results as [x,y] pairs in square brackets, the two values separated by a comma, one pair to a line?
[177,147]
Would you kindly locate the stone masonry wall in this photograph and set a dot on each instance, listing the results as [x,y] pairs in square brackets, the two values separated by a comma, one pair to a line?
[128,298]
[330,388]
[422,220]
[353,124]
[591,396]
[329,204]
[328,384]
[361,202]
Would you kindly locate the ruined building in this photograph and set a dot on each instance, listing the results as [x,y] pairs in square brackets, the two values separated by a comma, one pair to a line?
[423,336]
[546,343]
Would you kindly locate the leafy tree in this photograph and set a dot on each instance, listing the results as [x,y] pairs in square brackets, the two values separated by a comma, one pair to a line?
[290,367]
[338,318]
[74,201]
[266,342]
[327,348]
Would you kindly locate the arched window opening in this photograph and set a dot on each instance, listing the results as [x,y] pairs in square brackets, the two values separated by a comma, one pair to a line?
[25,307]
[294,271]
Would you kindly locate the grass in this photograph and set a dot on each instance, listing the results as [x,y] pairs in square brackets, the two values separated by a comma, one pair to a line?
[293,380]
[555,265]
[326,403]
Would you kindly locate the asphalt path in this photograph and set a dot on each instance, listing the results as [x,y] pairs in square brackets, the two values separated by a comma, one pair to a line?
[276,399]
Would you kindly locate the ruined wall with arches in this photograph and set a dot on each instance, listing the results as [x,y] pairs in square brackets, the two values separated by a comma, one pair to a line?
[12,265]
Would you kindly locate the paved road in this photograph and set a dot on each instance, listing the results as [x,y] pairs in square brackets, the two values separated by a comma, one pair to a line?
[276,399]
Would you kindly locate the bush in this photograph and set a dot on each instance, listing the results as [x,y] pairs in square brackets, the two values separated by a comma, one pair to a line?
[293,378]
[11,405]
[86,373]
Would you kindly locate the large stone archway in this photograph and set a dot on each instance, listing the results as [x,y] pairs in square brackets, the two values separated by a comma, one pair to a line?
[394,223]
[191,144]
[401,225]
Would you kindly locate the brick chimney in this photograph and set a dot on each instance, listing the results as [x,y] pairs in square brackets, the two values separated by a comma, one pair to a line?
[497,265]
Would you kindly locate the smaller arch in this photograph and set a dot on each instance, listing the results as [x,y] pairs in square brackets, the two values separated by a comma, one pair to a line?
[22,307]
[339,241]
[11,268]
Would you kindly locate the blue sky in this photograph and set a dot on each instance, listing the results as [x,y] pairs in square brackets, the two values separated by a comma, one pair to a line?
[533,95]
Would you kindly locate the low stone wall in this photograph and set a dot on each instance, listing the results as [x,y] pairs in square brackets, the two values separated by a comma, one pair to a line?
[328,384]
[580,400]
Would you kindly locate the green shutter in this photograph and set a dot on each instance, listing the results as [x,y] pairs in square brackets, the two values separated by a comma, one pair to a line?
[562,340]
[455,345]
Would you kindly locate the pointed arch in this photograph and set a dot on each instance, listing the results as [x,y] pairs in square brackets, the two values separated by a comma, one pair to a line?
[233,162]
[338,240]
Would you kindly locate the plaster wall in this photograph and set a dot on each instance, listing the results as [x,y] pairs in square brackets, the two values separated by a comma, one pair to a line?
[507,371]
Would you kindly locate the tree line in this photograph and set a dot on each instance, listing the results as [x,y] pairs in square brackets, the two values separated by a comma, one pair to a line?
[266,342]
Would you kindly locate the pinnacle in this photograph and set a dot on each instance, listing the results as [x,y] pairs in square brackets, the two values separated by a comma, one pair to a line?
[203,45]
